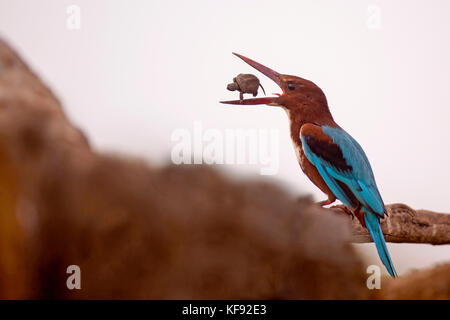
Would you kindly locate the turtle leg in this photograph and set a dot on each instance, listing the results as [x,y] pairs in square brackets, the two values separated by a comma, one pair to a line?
[241,96]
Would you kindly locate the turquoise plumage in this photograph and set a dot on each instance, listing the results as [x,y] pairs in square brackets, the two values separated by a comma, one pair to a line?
[373,224]
[357,175]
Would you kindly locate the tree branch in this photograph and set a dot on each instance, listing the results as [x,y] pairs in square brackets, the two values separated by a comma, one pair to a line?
[406,225]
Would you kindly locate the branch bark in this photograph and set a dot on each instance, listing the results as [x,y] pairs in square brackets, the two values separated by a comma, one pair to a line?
[406,225]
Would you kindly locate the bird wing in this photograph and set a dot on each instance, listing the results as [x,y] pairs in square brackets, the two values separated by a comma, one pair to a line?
[340,161]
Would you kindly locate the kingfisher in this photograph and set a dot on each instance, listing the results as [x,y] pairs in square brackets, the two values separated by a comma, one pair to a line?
[331,158]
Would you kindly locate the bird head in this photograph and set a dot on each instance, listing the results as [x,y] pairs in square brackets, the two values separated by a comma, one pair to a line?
[298,94]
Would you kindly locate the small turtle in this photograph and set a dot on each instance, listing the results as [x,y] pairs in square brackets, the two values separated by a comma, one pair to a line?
[245,83]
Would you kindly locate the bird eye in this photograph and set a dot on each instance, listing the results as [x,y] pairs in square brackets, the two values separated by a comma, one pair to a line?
[291,86]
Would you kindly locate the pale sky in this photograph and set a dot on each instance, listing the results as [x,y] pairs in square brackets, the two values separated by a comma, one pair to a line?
[138,70]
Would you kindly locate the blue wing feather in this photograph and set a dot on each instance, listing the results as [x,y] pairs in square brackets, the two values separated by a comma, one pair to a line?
[329,180]
[360,178]
[357,175]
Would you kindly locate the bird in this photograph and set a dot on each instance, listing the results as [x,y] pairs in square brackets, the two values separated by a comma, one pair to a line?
[330,157]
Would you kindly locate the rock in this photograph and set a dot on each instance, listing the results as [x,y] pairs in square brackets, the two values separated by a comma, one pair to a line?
[142,232]
[431,284]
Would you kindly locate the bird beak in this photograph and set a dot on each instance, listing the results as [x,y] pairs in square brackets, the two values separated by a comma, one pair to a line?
[275,76]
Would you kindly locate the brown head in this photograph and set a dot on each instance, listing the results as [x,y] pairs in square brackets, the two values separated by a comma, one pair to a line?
[233,86]
[303,100]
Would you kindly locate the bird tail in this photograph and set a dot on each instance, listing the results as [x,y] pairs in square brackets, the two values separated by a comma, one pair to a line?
[373,224]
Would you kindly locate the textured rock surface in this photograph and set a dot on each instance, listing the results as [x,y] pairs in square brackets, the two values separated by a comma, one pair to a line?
[141,232]
[429,284]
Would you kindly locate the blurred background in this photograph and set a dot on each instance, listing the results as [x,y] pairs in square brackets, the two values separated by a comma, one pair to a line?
[131,73]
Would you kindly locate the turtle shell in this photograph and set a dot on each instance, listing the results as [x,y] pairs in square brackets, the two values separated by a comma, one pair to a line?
[248,83]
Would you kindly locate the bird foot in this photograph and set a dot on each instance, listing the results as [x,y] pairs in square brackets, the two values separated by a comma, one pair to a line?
[324,203]
[343,208]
